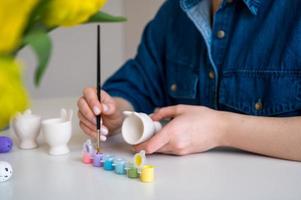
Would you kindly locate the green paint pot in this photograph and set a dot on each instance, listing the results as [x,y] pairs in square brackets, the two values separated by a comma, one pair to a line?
[132,171]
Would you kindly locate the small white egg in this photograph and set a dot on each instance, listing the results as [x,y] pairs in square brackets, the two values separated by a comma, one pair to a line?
[6,171]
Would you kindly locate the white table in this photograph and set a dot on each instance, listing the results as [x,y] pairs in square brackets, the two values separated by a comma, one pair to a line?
[217,174]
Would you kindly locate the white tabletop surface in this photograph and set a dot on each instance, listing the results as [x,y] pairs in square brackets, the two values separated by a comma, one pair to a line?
[217,174]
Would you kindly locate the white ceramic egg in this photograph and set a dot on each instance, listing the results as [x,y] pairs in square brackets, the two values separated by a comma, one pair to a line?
[6,171]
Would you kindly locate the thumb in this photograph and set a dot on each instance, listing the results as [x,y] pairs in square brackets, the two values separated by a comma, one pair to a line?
[155,143]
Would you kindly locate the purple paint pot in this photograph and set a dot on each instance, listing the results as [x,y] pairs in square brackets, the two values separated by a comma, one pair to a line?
[6,144]
[97,160]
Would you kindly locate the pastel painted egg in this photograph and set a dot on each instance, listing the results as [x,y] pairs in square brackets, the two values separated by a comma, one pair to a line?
[6,171]
[6,144]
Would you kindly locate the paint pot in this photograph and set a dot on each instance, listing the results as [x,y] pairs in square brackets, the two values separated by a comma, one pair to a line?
[139,160]
[147,174]
[132,171]
[88,147]
[97,160]
[87,158]
[88,152]
[108,162]
[119,165]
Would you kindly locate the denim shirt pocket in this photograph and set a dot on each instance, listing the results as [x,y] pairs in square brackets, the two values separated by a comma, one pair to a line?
[182,80]
[261,93]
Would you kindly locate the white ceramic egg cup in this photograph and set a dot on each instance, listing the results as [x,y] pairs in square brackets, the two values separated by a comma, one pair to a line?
[26,127]
[138,127]
[57,132]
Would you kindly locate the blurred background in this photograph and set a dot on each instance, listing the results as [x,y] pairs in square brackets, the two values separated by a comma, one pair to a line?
[73,63]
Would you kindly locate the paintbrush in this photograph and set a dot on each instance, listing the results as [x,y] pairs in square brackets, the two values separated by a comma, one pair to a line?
[98,117]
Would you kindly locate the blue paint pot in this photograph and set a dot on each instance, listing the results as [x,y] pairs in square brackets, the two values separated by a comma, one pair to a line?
[119,166]
[108,162]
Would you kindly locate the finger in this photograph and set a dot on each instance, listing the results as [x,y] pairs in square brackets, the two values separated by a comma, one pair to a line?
[87,130]
[104,130]
[168,149]
[155,143]
[91,98]
[86,110]
[87,122]
[106,106]
[165,149]
[168,112]
[91,132]
[103,138]
[107,103]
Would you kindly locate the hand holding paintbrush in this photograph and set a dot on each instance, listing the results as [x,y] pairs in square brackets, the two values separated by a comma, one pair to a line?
[107,109]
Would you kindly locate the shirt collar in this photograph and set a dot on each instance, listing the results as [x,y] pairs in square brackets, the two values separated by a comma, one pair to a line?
[252,5]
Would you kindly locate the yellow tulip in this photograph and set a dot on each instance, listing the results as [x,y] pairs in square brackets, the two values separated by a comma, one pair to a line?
[13,96]
[14,16]
[70,12]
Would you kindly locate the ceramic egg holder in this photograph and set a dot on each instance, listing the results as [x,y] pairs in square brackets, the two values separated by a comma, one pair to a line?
[56,131]
[26,127]
[138,127]
[134,169]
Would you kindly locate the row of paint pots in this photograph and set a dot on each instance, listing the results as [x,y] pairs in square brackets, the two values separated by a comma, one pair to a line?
[134,169]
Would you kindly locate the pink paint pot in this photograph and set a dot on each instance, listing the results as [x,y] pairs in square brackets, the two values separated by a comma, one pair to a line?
[87,158]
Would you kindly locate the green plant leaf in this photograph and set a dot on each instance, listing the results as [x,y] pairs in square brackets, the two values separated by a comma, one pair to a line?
[105,17]
[36,15]
[40,43]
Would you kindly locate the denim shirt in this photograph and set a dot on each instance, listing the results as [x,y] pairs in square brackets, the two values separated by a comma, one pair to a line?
[247,61]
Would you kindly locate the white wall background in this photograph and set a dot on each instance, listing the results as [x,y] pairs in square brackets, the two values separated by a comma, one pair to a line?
[73,63]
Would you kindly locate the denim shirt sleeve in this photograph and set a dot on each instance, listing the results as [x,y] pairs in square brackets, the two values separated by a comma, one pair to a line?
[140,80]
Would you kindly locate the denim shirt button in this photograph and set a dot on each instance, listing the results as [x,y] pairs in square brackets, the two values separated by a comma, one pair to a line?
[258,106]
[211,75]
[220,34]
[173,87]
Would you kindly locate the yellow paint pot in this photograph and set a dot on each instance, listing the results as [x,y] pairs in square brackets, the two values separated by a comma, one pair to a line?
[139,159]
[147,173]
